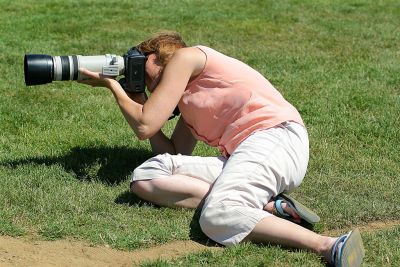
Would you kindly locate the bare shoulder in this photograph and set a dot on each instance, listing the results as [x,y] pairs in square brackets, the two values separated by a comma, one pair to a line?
[193,56]
[191,50]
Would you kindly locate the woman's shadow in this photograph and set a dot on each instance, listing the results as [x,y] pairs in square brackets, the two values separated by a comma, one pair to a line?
[109,165]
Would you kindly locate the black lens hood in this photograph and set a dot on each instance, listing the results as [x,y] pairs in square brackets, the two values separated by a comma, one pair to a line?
[38,69]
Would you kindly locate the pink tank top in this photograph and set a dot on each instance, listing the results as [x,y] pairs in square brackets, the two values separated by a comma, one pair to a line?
[229,100]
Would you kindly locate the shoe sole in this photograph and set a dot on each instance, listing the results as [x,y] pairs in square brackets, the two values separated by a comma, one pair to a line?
[353,250]
[305,213]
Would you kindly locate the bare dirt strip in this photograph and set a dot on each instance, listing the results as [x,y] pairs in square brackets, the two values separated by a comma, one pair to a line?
[26,252]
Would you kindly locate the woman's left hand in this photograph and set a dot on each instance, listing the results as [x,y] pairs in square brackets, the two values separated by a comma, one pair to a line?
[97,79]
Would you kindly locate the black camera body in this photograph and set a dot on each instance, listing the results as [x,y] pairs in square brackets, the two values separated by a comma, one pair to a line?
[42,69]
[135,62]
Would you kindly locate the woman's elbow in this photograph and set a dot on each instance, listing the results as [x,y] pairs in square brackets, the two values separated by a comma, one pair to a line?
[141,137]
[144,132]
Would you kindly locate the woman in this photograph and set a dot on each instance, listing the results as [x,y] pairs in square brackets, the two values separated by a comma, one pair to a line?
[261,136]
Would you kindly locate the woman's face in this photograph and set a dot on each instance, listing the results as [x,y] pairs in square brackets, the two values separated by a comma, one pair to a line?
[153,72]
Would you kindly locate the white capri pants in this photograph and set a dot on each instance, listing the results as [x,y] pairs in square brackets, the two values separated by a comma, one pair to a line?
[264,165]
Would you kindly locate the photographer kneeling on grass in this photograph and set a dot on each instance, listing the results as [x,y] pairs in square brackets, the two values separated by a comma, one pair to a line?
[261,136]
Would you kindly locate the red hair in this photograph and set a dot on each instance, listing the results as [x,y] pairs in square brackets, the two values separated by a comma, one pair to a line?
[163,44]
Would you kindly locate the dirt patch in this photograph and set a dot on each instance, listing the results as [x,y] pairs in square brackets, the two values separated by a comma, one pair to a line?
[375,226]
[369,227]
[25,252]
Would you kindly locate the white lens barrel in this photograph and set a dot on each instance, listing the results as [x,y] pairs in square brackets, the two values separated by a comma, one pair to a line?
[57,68]
[67,67]
[96,63]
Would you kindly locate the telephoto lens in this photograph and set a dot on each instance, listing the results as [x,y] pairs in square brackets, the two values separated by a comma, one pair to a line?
[42,69]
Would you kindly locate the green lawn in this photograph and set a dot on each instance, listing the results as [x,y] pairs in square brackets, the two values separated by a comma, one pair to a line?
[66,153]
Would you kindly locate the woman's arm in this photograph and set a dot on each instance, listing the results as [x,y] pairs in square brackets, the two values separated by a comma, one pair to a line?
[181,142]
[147,119]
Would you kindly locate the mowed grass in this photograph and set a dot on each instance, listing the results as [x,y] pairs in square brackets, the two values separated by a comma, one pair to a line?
[66,153]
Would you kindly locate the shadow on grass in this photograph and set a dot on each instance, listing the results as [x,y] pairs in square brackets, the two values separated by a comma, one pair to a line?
[110,165]
[130,199]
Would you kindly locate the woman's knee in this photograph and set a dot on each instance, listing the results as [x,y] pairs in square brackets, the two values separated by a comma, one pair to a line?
[229,222]
[142,187]
[158,166]
[143,176]
[206,222]
[212,221]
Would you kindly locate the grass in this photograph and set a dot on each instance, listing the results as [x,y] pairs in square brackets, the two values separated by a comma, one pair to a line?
[66,152]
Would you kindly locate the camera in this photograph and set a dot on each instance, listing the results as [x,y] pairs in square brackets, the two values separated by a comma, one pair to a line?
[42,69]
